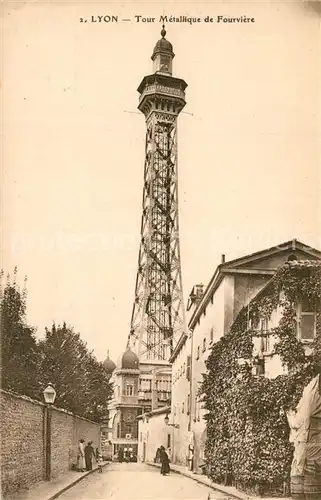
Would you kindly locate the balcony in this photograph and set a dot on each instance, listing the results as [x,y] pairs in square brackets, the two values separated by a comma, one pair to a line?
[128,400]
[162,89]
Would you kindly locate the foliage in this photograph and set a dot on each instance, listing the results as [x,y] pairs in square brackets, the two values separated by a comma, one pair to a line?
[19,350]
[248,435]
[80,381]
[62,358]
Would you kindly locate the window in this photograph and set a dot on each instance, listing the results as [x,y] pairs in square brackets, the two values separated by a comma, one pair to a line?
[265,339]
[168,440]
[188,368]
[212,334]
[306,320]
[266,343]
[184,369]
[264,325]
[183,407]
[204,344]
[198,352]
[198,408]
[129,390]
[188,404]
[259,367]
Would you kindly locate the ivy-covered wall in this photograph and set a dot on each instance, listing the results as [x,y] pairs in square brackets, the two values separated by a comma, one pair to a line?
[248,434]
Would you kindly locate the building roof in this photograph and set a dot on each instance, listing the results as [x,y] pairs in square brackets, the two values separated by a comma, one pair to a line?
[163,45]
[293,264]
[248,259]
[129,360]
[108,364]
[178,346]
[157,411]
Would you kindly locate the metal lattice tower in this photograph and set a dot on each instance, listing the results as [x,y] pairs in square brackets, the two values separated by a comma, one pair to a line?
[158,317]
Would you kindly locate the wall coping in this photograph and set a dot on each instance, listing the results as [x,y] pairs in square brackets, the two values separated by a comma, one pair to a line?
[39,403]
[21,396]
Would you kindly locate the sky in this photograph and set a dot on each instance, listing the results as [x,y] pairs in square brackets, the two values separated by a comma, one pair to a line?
[73,147]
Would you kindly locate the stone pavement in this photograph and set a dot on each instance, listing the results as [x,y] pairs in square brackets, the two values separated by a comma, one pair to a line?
[48,490]
[228,490]
[132,481]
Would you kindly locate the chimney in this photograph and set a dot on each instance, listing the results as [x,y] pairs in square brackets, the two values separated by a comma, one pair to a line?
[199,291]
[223,258]
[195,296]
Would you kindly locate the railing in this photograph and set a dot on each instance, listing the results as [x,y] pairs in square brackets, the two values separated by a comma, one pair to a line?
[152,89]
[131,400]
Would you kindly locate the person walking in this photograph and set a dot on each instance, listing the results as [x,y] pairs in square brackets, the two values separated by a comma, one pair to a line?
[81,464]
[157,456]
[89,455]
[164,461]
[120,455]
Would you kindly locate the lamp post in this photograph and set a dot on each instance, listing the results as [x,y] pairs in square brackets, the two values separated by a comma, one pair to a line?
[166,420]
[175,426]
[49,396]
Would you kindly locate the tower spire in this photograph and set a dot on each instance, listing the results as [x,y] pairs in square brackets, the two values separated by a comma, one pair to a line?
[163,54]
[158,317]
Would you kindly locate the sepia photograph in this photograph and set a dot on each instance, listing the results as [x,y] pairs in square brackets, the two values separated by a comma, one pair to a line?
[160,282]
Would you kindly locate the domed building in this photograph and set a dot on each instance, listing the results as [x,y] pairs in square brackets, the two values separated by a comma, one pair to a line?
[136,390]
[109,365]
[124,406]
[129,361]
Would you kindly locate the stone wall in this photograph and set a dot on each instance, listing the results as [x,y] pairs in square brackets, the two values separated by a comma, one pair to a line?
[23,441]
[22,446]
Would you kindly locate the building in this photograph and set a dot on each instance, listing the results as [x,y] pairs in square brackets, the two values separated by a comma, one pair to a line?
[137,388]
[153,433]
[211,314]
[265,361]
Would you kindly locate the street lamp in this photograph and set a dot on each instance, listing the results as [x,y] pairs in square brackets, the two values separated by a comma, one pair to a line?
[49,395]
[166,420]
[146,418]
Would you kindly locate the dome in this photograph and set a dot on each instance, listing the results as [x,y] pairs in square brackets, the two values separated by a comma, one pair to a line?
[109,365]
[163,45]
[129,360]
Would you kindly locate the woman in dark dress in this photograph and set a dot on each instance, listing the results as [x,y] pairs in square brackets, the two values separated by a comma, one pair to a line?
[164,461]
[89,455]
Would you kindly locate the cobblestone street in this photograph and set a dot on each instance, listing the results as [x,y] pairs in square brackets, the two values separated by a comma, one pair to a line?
[139,482]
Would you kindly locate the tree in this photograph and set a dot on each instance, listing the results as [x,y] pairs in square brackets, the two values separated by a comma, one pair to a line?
[80,380]
[19,351]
